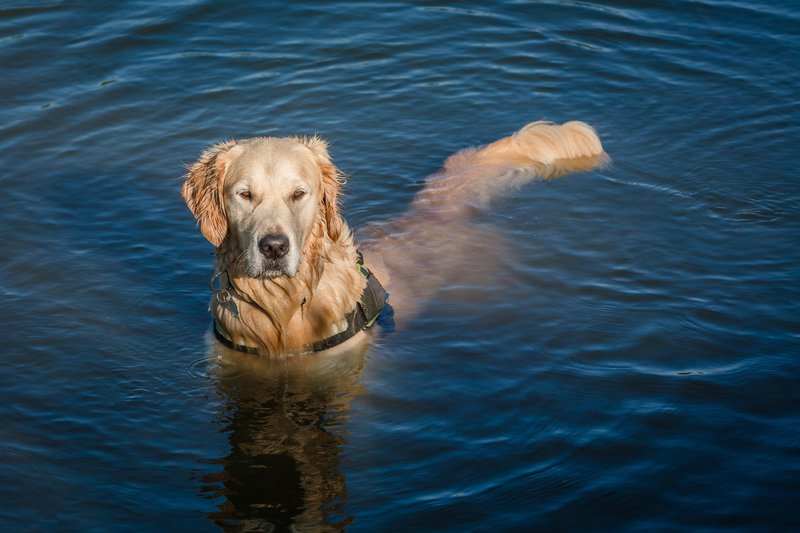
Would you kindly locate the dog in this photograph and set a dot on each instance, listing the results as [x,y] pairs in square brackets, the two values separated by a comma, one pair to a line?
[290,278]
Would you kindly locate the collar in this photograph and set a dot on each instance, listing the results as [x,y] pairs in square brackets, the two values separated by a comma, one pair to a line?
[361,318]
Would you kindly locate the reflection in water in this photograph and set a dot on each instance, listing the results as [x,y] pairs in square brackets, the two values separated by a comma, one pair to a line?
[285,433]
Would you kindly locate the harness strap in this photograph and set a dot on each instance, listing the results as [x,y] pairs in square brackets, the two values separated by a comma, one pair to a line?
[361,318]
[232,345]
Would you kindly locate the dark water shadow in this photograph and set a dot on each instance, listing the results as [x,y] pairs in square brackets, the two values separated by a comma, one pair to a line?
[285,425]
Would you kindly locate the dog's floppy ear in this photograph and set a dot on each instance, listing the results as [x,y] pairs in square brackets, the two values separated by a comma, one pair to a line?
[332,180]
[202,191]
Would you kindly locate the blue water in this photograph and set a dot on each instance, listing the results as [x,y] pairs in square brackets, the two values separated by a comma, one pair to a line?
[628,362]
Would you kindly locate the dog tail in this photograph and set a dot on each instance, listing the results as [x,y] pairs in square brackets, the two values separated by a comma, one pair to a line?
[554,150]
[477,176]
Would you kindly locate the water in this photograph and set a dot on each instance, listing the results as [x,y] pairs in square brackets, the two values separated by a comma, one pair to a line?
[630,362]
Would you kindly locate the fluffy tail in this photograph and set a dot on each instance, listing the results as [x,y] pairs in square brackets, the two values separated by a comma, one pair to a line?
[540,149]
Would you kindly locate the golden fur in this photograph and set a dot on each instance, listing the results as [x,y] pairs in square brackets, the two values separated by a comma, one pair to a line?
[306,297]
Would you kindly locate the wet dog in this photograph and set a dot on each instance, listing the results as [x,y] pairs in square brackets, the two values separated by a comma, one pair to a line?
[289,271]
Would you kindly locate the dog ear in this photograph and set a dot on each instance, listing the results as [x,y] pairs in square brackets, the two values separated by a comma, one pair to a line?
[332,181]
[202,191]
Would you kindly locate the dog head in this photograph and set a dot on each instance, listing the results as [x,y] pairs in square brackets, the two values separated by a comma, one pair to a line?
[267,199]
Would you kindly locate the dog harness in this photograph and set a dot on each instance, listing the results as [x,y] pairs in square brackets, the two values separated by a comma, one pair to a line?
[361,318]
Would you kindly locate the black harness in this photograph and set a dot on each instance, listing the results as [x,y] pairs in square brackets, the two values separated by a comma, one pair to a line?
[361,318]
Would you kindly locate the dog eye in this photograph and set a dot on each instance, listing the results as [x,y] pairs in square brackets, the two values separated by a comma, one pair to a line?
[245,194]
[299,193]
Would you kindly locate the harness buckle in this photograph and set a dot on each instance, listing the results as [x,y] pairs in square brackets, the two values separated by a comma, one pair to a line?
[223,295]
[225,299]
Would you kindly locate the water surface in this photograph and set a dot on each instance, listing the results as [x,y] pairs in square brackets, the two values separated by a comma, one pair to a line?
[628,362]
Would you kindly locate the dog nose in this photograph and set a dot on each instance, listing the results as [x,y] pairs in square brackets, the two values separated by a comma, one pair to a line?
[274,245]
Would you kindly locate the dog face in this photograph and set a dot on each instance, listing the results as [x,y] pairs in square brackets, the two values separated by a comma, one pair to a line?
[270,195]
[266,198]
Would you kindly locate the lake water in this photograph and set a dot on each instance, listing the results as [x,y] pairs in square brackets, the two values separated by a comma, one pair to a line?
[629,362]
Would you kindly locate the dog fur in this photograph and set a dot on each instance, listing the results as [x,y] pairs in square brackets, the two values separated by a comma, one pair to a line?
[241,193]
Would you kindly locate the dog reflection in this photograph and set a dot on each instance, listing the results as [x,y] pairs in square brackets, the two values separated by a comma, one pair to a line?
[285,420]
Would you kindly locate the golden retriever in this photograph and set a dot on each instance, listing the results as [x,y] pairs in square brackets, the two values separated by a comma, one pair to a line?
[287,261]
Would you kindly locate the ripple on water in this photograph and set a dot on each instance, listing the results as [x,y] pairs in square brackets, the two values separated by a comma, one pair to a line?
[618,351]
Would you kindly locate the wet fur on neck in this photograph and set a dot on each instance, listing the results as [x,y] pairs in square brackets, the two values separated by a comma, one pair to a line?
[279,315]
